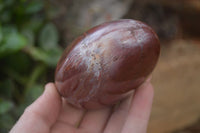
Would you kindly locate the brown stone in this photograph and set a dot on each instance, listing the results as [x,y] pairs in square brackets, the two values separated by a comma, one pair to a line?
[106,63]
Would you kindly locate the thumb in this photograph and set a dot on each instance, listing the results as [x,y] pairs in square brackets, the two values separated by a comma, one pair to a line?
[41,114]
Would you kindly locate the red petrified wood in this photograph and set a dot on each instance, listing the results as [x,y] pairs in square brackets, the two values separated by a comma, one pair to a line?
[106,63]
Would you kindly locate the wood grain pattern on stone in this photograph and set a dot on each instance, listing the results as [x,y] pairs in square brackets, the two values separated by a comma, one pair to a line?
[106,63]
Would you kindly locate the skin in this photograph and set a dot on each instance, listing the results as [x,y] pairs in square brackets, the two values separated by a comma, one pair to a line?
[51,114]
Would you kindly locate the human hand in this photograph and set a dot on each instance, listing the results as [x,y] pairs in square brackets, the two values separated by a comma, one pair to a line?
[51,114]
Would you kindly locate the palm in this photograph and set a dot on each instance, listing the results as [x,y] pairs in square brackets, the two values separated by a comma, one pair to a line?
[124,118]
[80,121]
[51,114]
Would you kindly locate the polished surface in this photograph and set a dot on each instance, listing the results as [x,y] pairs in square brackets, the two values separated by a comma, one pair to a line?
[106,63]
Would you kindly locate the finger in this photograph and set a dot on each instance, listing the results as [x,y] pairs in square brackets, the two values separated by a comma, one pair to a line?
[117,119]
[40,115]
[61,127]
[140,109]
[94,120]
[70,114]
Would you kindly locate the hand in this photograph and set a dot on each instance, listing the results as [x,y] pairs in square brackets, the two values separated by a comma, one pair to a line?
[51,114]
